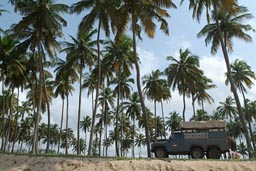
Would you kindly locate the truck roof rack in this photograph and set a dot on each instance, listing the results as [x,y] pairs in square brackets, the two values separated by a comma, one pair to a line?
[211,124]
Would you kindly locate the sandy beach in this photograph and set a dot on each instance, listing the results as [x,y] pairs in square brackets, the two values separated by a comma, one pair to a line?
[26,163]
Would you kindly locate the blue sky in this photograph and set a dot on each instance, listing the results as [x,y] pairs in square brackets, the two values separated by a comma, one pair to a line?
[153,53]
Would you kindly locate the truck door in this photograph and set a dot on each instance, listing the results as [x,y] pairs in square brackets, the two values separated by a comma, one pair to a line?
[176,143]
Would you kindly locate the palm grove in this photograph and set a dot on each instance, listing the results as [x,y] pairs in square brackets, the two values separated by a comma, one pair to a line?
[30,63]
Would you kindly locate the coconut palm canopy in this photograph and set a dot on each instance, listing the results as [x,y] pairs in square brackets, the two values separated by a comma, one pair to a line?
[64,93]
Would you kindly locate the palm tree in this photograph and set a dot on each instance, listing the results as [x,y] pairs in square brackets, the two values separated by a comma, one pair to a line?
[217,115]
[235,128]
[243,76]
[85,124]
[131,10]
[154,89]
[250,115]
[173,122]
[201,115]
[140,141]
[160,131]
[107,143]
[2,10]
[228,23]
[90,83]
[119,58]
[80,52]
[123,91]
[242,149]
[133,111]
[227,108]
[106,100]
[182,74]
[101,11]
[65,76]
[68,136]
[25,130]
[199,91]
[9,63]
[81,143]
[39,28]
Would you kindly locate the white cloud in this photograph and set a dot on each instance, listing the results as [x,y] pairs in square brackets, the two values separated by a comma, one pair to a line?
[214,68]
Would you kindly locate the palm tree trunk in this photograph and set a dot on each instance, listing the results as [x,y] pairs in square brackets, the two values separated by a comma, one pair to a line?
[155,119]
[3,116]
[79,109]
[39,105]
[248,120]
[48,120]
[61,123]
[193,105]
[121,121]
[163,118]
[90,152]
[184,106]
[145,115]
[232,84]
[66,140]
[9,123]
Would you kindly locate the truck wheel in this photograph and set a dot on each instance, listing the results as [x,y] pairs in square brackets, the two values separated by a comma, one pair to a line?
[213,153]
[197,153]
[160,153]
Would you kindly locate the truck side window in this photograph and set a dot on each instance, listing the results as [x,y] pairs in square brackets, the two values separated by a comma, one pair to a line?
[176,137]
[173,137]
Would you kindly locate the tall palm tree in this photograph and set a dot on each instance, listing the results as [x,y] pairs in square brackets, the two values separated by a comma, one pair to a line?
[9,63]
[228,23]
[85,124]
[65,76]
[133,111]
[142,19]
[90,83]
[80,52]
[154,88]
[39,28]
[182,73]
[119,57]
[106,100]
[101,11]
[243,77]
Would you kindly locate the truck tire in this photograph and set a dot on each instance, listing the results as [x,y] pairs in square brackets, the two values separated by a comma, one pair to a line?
[197,153]
[213,153]
[161,153]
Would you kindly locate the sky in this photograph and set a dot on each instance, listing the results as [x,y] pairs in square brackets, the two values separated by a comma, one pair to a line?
[153,53]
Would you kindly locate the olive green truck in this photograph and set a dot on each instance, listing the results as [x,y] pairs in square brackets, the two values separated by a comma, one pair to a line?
[196,139]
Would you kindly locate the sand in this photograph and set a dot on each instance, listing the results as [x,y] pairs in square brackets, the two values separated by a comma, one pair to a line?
[26,163]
